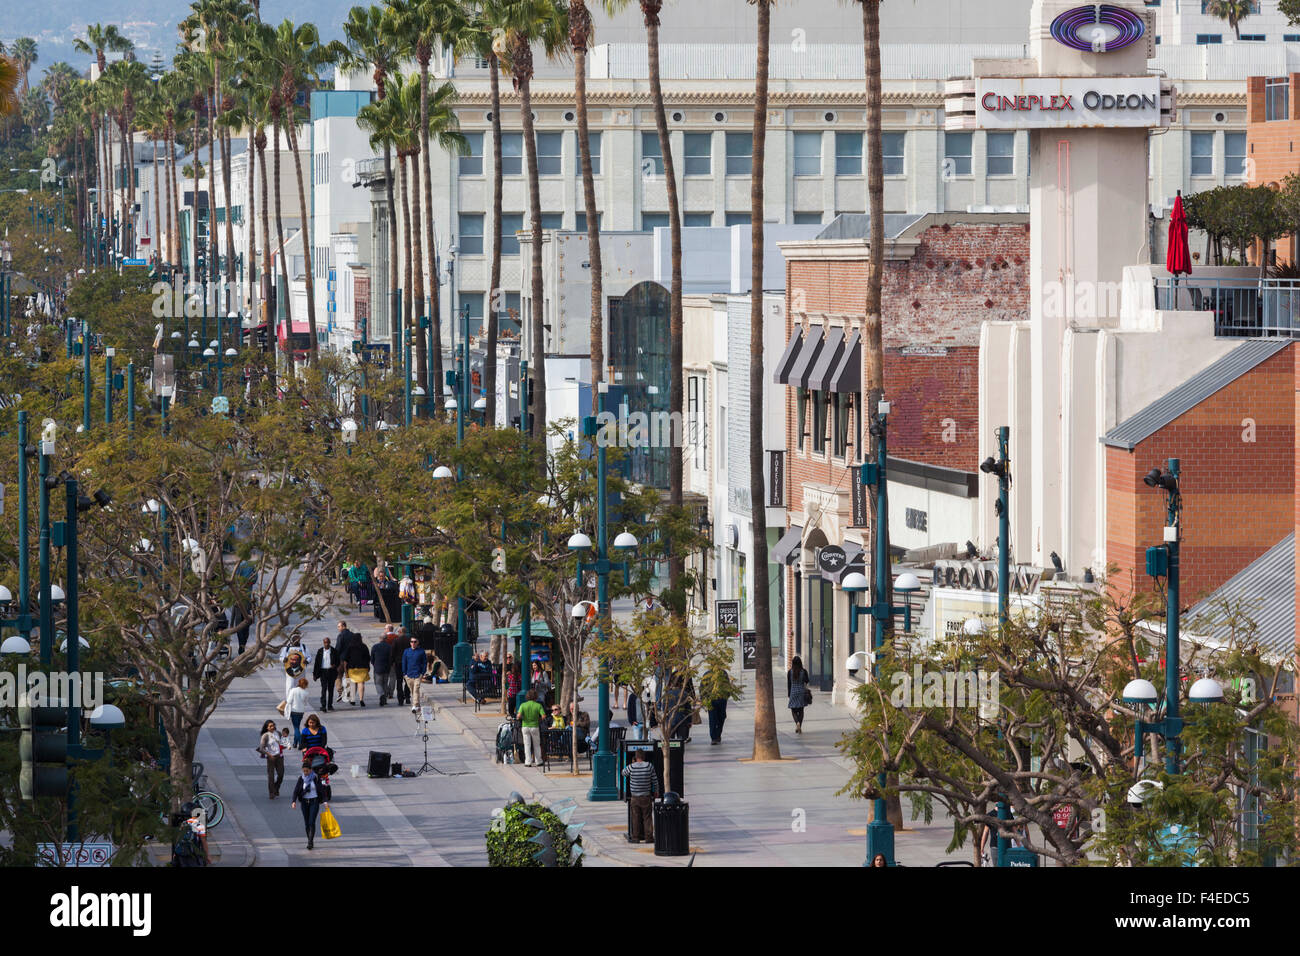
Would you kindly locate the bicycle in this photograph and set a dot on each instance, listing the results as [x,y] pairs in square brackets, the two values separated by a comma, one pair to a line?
[214,808]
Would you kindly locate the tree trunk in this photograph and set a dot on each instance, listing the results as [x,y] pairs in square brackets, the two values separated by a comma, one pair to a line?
[535,213]
[495,301]
[419,310]
[874,352]
[130,176]
[181,771]
[677,562]
[394,325]
[157,206]
[174,205]
[250,229]
[435,313]
[229,291]
[211,270]
[279,238]
[407,295]
[580,33]
[766,744]
[268,277]
[312,354]
[194,224]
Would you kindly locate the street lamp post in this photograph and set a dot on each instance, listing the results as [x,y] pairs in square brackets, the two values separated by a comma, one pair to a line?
[526,621]
[1001,468]
[130,397]
[108,385]
[406,364]
[604,785]
[49,434]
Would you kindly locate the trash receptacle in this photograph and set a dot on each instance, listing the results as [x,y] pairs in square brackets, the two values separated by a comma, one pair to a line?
[672,819]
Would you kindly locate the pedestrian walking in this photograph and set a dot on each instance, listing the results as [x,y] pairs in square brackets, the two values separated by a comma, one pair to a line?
[718,689]
[297,707]
[541,683]
[313,793]
[414,665]
[381,662]
[400,643]
[513,678]
[642,785]
[345,639]
[295,666]
[356,659]
[531,715]
[796,686]
[313,733]
[271,747]
[326,672]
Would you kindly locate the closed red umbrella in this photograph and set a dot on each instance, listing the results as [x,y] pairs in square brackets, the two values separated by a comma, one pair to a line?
[1178,259]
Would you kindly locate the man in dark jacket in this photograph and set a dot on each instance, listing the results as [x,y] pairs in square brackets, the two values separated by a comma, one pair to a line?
[326,672]
[414,666]
[400,643]
[381,661]
[344,641]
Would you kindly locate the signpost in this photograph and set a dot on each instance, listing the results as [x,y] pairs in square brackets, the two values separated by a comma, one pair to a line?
[832,559]
[728,616]
[749,650]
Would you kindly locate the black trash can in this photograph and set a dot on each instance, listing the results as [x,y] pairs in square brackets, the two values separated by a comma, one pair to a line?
[672,826]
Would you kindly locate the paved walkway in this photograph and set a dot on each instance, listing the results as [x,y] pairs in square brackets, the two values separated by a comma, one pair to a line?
[742,813]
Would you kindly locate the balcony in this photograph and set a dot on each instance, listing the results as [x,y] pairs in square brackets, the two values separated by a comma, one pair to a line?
[1242,306]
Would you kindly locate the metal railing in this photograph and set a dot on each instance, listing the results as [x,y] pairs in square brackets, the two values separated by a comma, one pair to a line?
[1242,306]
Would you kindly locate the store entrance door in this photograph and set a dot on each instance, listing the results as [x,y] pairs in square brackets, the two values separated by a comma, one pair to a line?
[821,633]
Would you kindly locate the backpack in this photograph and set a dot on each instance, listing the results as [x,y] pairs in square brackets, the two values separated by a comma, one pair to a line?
[506,741]
[187,851]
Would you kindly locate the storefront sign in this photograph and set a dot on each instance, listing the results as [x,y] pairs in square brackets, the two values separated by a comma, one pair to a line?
[1045,102]
[859,497]
[749,650]
[832,558]
[728,616]
[776,479]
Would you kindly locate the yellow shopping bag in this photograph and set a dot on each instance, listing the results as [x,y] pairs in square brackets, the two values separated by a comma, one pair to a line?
[329,825]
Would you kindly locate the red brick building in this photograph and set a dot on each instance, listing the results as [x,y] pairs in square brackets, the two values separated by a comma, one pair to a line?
[1272,133]
[1233,427]
[945,274]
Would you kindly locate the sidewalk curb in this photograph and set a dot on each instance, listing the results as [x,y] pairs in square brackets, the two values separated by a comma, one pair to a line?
[231,816]
[593,845]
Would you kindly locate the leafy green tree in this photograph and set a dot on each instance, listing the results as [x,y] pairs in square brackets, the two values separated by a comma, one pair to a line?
[1233,11]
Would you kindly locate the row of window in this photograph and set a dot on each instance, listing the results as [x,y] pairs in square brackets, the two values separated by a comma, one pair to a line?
[830,410]
[1234,154]
[549,154]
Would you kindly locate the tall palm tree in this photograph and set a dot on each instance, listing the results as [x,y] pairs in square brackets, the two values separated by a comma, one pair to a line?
[766,744]
[266,72]
[101,40]
[1234,11]
[382,119]
[372,44]
[650,10]
[173,88]
[8,87]
[523,23]
[23,53]
[128,81]
[296,55]
[153,119]
[59,78]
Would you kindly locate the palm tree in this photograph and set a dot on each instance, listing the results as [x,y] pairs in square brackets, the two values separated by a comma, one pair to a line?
[59,78]
[128,81]
[372,44]
[35,111]
[295,55]
[100,39]
[382,119]
[523,23]
[23,53]
[766,744]
[8,87]
[1234,11]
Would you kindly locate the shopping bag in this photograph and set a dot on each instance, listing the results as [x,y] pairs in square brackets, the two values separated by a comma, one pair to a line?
[329,825]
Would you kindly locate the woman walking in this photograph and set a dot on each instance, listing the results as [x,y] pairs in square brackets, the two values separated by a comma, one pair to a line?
[796,685]
[512,688]
[357,661]
[313,793]
[272,751]
[313,733]
[297,706]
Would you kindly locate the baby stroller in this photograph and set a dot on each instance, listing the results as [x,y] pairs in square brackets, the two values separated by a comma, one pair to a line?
[510,740]
[322,761]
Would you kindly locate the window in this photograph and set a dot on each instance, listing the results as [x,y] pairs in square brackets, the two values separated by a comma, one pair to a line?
[473,302]
[471,235]
[552,220]
[593,141]
[1277,96]
[807,219]
[1002,154]
[481,64]
[652,158]
[957,151]
[549,147]
[580,221]
[740,154]
[1202,154]
[848,154]
[698,219]
[843,413]
[508,312]
[1253,37]
[1291,38]
[511,223]
[1234,154]
[653,220]
[471,163]
[801,416]
[895,153]
[807,154]
[512,154]
[738,219]
[699,154]
[696,405]
[821,403]
[1207,39]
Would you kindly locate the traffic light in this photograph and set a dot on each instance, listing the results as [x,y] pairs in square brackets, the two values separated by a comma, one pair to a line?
[43,749]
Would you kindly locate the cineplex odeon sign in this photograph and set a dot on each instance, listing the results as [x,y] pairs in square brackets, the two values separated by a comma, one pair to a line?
[1067,102]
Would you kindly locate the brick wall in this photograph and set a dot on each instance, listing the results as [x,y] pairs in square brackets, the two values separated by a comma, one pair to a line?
[1271,146]
[1238,495]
